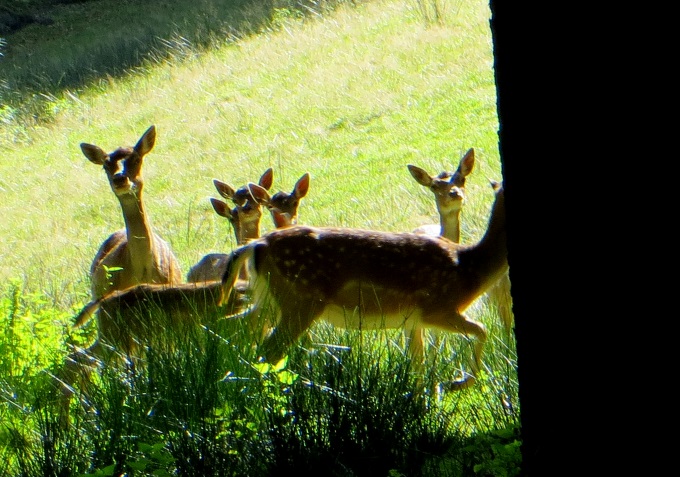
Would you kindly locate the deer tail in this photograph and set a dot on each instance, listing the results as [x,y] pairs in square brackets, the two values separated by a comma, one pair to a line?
[86,313]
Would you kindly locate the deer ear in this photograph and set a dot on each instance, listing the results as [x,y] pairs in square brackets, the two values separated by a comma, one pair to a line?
[467,163]
[258,193]
[301,186]
[420,175]
[224,189]
[95,154]
[221,208]
[146,142]
[267,179]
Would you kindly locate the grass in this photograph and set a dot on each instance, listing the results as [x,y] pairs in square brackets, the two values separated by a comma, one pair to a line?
[352,96]
[352,110]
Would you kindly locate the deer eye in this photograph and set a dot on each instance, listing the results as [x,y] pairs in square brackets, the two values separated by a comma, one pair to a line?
[112,167]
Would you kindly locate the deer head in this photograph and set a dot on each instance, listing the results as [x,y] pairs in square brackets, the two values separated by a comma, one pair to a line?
[123,166]
[448,189]
[283,206]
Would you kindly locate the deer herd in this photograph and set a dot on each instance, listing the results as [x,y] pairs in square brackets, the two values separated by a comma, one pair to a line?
[283,281]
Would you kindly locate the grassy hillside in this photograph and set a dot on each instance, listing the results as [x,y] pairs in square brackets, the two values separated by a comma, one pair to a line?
[352,96]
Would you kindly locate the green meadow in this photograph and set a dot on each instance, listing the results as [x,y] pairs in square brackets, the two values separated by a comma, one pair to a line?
[350,92]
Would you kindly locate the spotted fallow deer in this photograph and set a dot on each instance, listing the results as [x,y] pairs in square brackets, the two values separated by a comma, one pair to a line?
[365,279]
[244,217]
[134,254]
[448,189]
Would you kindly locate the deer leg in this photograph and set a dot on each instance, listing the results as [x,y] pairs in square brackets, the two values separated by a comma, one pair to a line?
[295,320]
[470,328]
[76,371]
[416,347]
[259,322]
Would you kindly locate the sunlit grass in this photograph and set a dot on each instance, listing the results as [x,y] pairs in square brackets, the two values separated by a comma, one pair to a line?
[330,100]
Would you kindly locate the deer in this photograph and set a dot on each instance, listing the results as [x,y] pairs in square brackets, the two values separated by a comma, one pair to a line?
[367,279]
[244,217]
[128,319]
[131,319]
[448,189]
[283,206]
[449,194]
[136,253]
[134,315]
[130,256]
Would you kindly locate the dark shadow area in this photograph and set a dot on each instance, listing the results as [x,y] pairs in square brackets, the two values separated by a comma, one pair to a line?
[12,20]
[540,145]
[91,41]
[512,69]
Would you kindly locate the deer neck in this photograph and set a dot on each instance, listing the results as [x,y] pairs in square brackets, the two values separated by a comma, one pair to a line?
[245,232]
[488,259]
[450,225]
[140,239]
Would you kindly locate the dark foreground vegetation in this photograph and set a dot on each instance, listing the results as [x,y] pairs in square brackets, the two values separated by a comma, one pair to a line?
[200,405]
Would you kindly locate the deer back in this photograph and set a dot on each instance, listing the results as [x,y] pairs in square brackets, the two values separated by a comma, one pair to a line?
[336,265]
[138,314]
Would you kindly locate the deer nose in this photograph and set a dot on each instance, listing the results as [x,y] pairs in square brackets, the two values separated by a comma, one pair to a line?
[281,219]
[456,193]
[120,180]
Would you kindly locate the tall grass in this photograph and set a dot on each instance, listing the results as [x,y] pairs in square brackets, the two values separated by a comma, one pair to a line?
[344,402]
[351,96]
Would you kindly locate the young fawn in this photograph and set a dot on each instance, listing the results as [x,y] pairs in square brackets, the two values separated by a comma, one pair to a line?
[244,218]
[449,194]
[283,206]
[141,255]
[365,279]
